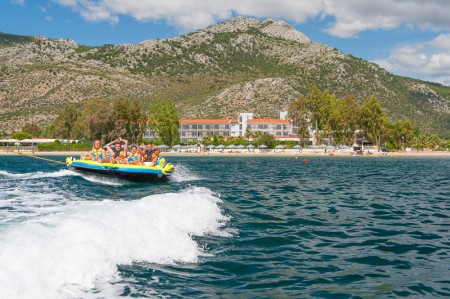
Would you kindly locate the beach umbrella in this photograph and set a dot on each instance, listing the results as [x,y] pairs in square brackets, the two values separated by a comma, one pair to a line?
[315,146]
[297,146]
[220,146]
[262,146]
[210,146]
[163,146]
[279,147]
[240,146]
[343,147]
[331,147]
[250,146]
[177,146]
[231,146]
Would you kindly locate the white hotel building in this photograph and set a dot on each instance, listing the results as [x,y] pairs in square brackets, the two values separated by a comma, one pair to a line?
[194,129]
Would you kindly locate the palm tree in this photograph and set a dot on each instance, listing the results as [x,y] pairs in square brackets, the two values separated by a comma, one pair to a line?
[248,134]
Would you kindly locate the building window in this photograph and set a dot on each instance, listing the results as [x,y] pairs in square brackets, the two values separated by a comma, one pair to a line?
[194,127]
[278,127]
[285,133]
[216,127]
[278,133]
[208,127]
[185,127]
[227,127]
[260,127]
[284,127]
[200,127]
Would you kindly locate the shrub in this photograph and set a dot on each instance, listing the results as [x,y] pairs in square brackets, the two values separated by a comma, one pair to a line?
[57,146]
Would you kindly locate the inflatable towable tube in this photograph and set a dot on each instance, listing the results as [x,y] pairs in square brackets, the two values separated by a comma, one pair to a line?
[136,173]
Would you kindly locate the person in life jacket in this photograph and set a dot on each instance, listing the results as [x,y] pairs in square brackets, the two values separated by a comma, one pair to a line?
[117,155]
[134,158]
[150,154]
[97,153]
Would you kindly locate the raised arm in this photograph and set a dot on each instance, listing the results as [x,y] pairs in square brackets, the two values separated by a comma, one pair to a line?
[125,146]
[108,147]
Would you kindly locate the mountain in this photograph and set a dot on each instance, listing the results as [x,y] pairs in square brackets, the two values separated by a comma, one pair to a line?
[241,65]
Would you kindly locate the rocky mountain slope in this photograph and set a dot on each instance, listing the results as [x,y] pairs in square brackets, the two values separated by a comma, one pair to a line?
[242,65]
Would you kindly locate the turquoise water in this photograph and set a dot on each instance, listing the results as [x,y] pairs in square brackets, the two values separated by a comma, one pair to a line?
[229,227]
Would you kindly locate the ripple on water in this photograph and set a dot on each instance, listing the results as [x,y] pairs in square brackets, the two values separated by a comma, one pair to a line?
[330,228]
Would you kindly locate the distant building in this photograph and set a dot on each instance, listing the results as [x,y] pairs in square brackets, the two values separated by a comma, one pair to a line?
[194,129]
[275,127]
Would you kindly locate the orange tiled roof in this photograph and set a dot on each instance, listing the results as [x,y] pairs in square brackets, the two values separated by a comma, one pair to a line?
[268,120]
[234,120]
[205,121]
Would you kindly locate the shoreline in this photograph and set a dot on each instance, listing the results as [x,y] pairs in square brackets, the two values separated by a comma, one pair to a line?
[266,153]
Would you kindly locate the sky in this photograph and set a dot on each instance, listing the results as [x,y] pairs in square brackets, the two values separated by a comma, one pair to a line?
[406,37]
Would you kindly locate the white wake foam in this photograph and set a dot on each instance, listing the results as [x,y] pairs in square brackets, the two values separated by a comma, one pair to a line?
[103,180]
[183,174]
[68,254]
[39,174]
[61,173]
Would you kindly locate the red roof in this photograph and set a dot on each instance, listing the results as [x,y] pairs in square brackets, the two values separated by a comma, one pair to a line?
[205,121]
[269,120]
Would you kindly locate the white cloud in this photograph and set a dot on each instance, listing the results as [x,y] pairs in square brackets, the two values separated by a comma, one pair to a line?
[350,16]
[355,16]
[188,15]
[20,2]
[428,60]
[48,18]
[42,8]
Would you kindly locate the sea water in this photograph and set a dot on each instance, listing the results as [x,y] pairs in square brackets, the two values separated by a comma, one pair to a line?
[228,227]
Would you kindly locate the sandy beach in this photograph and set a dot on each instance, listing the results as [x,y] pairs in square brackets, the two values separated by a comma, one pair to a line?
[286,152]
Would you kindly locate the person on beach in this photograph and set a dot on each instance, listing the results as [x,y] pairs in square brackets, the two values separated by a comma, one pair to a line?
[97,153]
[134,158]
[150,154]
[117,155]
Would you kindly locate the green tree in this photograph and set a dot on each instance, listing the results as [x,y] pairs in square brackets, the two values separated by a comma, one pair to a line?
[351,119]
[401,133]
[21,135]
[331,114]
[447,145]
[66,120]
[266,139]
[373,119]
[248,134]
[314,99]
[62,126]
[419,142]
[164,120]
[79,130]
[32,128]
[434,142]
[98,120]
[129,120]
[298,112]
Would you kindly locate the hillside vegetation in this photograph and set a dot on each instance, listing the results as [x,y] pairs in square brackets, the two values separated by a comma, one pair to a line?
[242,65]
